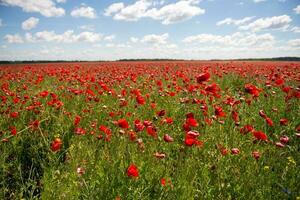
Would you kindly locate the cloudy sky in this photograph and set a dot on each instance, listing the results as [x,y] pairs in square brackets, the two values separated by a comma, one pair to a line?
[179,29]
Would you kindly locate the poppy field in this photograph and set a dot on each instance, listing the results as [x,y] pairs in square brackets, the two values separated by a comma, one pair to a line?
[150,130]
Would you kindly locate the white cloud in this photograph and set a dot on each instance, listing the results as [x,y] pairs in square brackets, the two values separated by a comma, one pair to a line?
[167,14]
[294,43]
[46,8]
[109,38]
[50,36]
[113,8]
[30,23]
[236,39]
[134,39]
[277,22]
[1,22]
[258,1]
[84,11]
[174,13]
[61,1]
[295,29]
[133,12]
[155,39]
[237,22]
[16,38]
[297,9]
[29,37]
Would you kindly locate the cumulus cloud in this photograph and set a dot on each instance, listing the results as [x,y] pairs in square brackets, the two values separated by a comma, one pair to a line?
[277,22]
[50,36]
[113,8]
[167,14]
[46,8]
[109,38]
[295,29]
[177,12]
[237,22]
[297,9]
[16,38]
[68,37]
[235,39]
[294,43]
[30,23]
[84,11]
[133,12]
[155,39]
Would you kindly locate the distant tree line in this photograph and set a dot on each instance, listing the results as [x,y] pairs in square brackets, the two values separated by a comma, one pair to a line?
[155,59]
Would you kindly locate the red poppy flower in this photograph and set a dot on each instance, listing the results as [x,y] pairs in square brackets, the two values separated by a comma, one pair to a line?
[235,151]
[56,144]
[147,123]
[192,122]
[219,112]
[44,93]
[79,131]
[203,77]
[168,138]
[168,120]
[132,171]
[252,89]
[246,129]
[138,125]
[140,100]
[161,113]
[13,130]
[269,121]
[284,122]
[224,151]
[151,131]
[235,116]
[284,139]
[279,82]
[77,120]
[163,182]
[262,114]
[14,114]
[123,123]
[259,135]
[189,141]
[191,138]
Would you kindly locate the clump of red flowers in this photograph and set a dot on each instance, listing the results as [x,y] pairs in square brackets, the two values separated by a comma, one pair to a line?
[252,89]
[191,139]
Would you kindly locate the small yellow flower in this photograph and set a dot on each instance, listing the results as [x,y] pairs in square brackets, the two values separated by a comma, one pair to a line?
[291,161]
[266,168]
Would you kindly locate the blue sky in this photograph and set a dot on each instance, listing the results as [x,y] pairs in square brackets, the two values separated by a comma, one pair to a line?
[179,29]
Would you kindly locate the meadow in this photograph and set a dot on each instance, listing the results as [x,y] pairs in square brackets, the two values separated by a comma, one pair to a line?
[150,130]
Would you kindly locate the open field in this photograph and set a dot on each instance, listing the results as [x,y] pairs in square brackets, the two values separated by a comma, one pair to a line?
[150,130]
